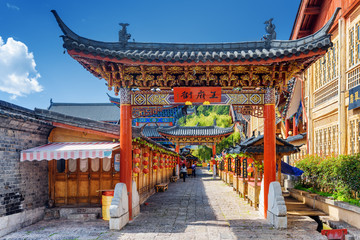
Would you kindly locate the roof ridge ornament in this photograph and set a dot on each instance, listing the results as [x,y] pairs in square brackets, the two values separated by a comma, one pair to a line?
[123,35]
[270,29]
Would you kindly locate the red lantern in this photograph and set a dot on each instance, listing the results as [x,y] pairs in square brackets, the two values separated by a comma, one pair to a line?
[155,154]
[137,151]
[146,171]
[162,155]
[250,160]
[136,160]
[250,169]
[136,170]
[146,154]
[161,161]
[161,166]
[155,167]
[145,162]
[155,160]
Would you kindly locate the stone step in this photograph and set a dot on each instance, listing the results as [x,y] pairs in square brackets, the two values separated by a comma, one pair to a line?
[83,216]
[65,212]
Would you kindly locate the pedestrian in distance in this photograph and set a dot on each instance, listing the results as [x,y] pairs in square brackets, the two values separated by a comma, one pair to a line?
[193,167]
[183,171]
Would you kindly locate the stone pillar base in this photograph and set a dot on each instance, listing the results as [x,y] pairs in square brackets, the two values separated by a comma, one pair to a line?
[119,223]
[276,213]
[136,211]
[279,222]
[288,184]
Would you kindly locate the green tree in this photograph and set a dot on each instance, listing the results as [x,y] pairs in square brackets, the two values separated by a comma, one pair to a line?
[203,153]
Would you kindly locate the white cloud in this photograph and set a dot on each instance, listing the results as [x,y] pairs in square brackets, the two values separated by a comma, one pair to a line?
[12,6]
[18,75]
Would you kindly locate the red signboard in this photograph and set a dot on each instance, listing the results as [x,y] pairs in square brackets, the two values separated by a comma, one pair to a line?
[197,94]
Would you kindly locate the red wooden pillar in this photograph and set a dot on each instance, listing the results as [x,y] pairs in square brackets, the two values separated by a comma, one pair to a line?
[177,149]
[126,144]
[214,150]
[269,144]
[295,129]
[287,128]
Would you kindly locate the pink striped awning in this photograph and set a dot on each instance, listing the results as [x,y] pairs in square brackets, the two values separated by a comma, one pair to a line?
[69,150]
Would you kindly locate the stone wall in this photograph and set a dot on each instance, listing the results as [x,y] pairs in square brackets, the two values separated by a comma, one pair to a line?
[23,185]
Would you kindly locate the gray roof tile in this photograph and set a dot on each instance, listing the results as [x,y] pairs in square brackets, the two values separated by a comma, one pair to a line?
[196,131]
[106,112]
[255,50]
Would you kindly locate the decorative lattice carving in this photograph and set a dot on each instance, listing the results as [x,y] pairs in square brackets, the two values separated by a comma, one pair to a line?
[124,95]
[253,110]
[145,111]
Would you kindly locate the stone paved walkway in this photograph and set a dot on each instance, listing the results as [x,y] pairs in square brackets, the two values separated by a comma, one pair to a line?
[200,208]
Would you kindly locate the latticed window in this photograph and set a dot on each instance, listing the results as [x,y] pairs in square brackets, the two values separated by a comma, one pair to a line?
[353,78]
[326,140]
[354,136]
[326,72]
[351,47]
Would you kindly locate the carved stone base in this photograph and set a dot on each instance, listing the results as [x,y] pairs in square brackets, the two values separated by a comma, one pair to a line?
[288,183]
[276,213]
[135,200]
[119,208]
[119,223]
[279,222]
[135,211]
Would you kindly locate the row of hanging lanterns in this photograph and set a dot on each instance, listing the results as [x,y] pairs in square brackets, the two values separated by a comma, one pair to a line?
[168,160]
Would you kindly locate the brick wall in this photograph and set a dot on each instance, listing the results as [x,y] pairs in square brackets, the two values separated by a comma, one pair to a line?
[23,186]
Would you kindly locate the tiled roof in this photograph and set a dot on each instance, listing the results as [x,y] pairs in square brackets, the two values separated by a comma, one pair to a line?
[179,52]
[138,133]
[16,112]
[106,112]
[151,132]
[196,131]
[296,137]
[248,146]
[77,121]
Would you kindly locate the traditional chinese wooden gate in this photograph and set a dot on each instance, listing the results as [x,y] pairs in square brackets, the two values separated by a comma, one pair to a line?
[249,74]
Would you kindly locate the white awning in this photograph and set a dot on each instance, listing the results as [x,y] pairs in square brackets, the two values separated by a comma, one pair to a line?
[69,150]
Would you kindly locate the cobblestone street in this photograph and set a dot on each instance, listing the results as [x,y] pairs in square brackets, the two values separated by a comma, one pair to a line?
[200,208]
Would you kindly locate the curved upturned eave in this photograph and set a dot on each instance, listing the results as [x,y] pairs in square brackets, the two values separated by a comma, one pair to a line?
[223,131]
[198,52]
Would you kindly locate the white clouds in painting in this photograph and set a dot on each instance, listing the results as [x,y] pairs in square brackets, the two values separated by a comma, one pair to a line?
[18,75]
[10,6]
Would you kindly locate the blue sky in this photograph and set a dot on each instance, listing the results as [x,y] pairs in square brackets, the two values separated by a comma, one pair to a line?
[56,75]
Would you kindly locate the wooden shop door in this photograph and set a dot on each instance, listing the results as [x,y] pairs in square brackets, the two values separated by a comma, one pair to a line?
[77,181]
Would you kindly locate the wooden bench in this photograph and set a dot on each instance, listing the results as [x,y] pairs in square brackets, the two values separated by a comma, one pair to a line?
[173,178]
[162,186]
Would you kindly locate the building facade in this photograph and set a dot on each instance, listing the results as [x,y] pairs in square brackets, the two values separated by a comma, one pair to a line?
[330,85]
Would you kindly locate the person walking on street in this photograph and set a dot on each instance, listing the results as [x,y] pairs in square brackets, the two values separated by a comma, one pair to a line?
[193,167]
[183,171]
